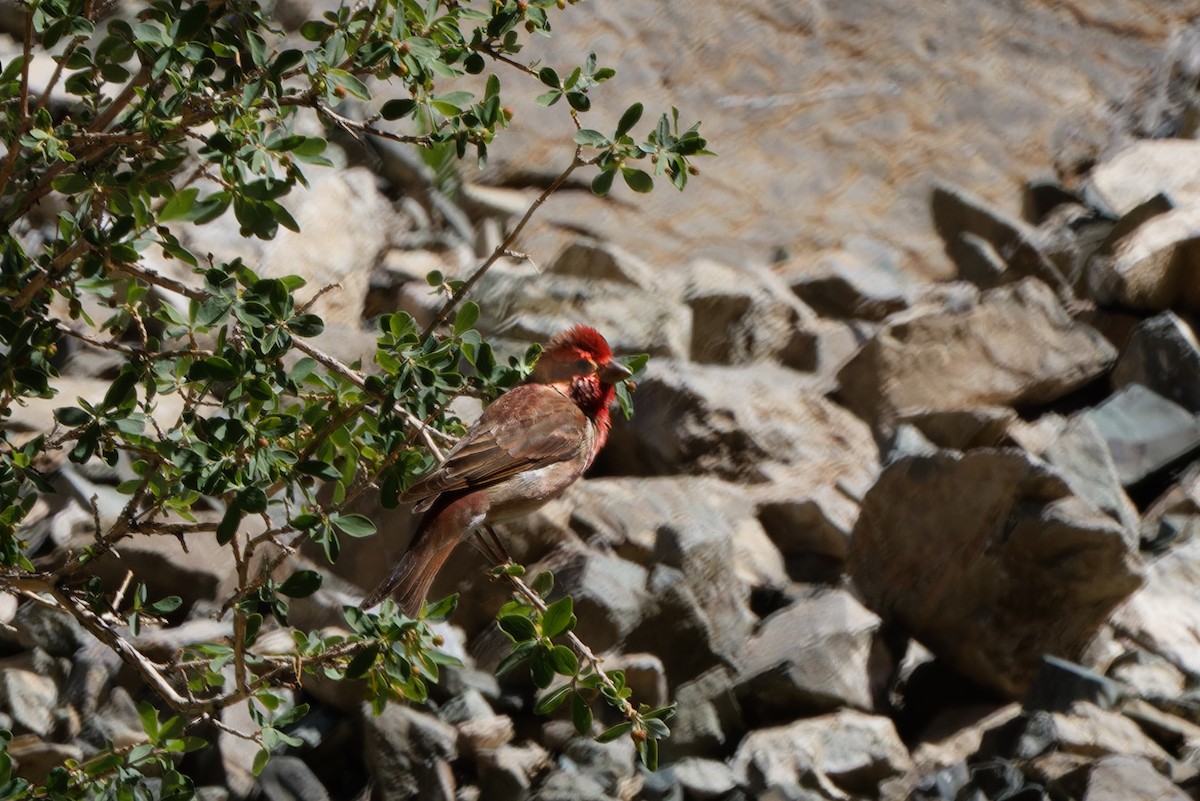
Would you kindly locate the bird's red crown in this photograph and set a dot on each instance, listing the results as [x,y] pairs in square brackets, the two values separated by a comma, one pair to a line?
[584,339]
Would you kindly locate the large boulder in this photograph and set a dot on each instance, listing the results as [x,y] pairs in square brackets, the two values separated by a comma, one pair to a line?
[989,561]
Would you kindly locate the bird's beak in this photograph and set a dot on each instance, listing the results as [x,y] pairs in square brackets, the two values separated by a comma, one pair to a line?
[613,372]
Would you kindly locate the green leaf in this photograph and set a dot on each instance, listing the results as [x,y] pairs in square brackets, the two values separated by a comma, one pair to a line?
[543,583]
[167,605]
[72,416]
[564,660]
[628,120]
[252,500]
[301,584]
[149,717]
[260,761]
[581,714]
[613,732]
[441,610]
[638,180]
[398,109]
[362,662]
[306,325]
[518,627]
[353,525]
[552,700]
[559,617]
[468,313]
[579,101]
[350,83]
[603,182]
[591,138]
[229,524]
[548,76]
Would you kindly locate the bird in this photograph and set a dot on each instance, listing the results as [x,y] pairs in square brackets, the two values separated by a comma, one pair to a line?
[527,448]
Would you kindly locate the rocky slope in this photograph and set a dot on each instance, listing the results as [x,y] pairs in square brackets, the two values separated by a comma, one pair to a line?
[878,536]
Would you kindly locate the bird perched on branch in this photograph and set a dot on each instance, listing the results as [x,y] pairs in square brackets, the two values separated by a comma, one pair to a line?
[527,448]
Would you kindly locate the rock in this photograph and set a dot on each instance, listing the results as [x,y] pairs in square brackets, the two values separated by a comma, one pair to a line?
[745,424]
[34,758]
[1162,355]
[289,778]
[745,314]
[1145,432]
[1014,345]
[953,737]
[609,592]
[709,716]
[644,674]
[1089,731]
[1147,675]
[1175,515]
[1128,778]
[804,528]
[842,284]
[598,260]
[612,765]
[844,752]
[1164,616]
[705,779]
[677,628]
[1022,570]
[506,774]
[963,429]
[1076,448]
[957,214]
[479,729]
[568,786]
[525,306]
[1059,684]
[1153,267]
[54,631]
[1146,168]
[28,697]
[405,749]
[820,653]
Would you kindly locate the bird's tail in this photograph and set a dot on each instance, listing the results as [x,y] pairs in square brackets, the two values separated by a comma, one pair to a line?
[409,580]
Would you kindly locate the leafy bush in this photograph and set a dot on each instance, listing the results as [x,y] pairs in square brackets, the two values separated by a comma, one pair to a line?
[173,118]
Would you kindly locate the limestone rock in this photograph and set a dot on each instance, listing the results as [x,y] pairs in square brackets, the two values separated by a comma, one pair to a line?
[1021,570]
[1013,345]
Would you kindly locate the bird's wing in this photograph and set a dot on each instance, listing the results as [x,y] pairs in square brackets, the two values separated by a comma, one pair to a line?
[528,427]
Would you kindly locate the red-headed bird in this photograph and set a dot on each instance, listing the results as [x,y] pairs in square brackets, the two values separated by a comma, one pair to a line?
[526,448]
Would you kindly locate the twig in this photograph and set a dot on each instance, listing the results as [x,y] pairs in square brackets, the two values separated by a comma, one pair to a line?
[15,148]
[505,246]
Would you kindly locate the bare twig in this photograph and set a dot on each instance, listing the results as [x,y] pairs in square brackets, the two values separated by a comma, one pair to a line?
[505,246]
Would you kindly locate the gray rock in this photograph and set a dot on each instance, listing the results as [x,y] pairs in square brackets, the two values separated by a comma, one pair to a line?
[746,424]
[34,757]
[844,752]
[818,654]
[709,717]
[676,627]
[842,284]
[957,214]
[705,779]
[1081,454]
[404,750]
[506,774]
[803,527]
[1014,345]
[289,778]
[1060,683]
[1145,432]
[609,592]
[1162,355]
[53,630]
[523,305]
[1022,570]
[1129,778]
[570,786]
[1175,515]
[28,697]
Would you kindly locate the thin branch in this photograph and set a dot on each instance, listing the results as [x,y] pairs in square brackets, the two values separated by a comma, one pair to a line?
[505,246]
[15,148]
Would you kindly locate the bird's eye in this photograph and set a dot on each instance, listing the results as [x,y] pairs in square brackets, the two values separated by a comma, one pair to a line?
[585,366]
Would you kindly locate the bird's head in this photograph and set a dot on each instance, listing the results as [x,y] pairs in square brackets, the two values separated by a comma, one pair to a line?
[581,361]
